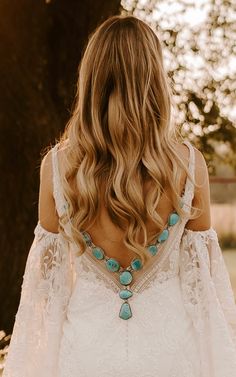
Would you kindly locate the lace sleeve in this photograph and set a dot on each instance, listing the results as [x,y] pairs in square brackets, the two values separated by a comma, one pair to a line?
[209,300]
[45,292]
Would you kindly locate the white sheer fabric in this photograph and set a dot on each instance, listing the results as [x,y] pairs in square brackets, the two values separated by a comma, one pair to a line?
[209,300]
[46,289]
[184,313]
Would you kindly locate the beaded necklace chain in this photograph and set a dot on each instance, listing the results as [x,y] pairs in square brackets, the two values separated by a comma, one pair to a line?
[125,275]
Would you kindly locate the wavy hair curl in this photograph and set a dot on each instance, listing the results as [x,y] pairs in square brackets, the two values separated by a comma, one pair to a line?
[121,134]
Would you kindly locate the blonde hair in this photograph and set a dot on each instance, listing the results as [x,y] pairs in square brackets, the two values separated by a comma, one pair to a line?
[120,133]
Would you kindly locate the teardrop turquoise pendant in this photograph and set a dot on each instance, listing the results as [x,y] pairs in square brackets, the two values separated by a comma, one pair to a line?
[125,311]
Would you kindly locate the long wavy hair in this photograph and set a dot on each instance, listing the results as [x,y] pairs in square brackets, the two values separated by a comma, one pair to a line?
[120,134]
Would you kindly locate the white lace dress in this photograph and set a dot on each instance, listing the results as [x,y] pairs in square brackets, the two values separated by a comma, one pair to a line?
[184,313]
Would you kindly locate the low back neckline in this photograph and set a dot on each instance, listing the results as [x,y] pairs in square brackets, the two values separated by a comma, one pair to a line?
[61,203]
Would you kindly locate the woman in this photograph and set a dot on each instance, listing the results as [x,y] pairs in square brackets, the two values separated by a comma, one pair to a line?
[125,276]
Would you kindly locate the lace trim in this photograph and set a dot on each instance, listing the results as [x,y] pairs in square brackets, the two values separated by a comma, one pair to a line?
[40,232]
[166,266]
[94,272]
[160,268]
[207,233]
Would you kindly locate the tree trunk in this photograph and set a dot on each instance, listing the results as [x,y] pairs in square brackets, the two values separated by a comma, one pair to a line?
[41,44]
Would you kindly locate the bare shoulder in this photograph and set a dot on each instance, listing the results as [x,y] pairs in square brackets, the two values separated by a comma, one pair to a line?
[201,169]
[46,171]
[47,214]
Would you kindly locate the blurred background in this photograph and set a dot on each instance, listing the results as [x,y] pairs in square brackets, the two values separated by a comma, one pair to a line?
[41,42]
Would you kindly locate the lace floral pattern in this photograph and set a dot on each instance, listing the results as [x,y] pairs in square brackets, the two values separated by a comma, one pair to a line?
[152,343]
[45,293]
[160,270]
[209,301]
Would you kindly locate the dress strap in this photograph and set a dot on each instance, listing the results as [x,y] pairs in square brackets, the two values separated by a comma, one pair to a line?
[57,185]
[189,186]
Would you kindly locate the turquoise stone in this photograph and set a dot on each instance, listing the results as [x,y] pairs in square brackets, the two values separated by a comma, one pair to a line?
[112,265]
[86,237]
[163,236]
[136,264]
[152,249]
[125,294]
[173,219]
[98,252]
[125,311]
[126,277]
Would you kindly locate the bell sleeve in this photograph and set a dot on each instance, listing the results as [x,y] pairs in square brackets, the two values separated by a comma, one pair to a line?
[45,293]
[209,300]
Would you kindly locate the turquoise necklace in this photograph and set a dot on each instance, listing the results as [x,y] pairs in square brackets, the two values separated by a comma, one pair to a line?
[125,275]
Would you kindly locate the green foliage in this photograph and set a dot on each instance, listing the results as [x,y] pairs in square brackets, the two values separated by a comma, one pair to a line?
[199,60]
[227,241]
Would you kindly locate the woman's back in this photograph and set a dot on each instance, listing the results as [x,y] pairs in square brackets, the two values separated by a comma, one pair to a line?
[110,237]
[105,234]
